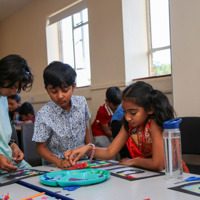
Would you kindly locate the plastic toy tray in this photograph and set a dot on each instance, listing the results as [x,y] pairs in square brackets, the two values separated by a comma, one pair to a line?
[74,177]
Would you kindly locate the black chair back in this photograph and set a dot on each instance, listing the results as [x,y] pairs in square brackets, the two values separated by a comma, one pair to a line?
[190,135]
[14,135]
[190,140]
[29,146]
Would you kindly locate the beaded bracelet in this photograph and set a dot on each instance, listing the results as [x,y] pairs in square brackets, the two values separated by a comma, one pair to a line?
[93,151]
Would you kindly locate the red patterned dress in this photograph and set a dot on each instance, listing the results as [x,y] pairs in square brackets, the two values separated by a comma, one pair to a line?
[139,142]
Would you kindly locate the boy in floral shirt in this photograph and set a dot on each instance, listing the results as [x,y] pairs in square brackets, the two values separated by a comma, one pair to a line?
[61,124]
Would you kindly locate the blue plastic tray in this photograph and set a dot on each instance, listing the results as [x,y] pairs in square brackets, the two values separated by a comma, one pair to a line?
[74,177]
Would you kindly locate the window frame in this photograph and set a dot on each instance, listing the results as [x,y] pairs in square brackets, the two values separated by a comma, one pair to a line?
[73,39]
[56,18]
[152,50]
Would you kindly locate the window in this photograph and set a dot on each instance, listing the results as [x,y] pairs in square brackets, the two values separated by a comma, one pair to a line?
[159,48]
[70,29]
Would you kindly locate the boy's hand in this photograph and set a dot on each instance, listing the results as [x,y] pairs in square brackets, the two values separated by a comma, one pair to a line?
[75,154]
[6,164]
[17,153]
[107,130]
[64,164]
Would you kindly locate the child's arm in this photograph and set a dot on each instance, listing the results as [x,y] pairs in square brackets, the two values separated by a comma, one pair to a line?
[157,160]
[18,155]
[44,152]
[107,130]
[87,136]
[100,153]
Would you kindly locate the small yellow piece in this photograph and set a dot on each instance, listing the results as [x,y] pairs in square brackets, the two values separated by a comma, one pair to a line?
[122,174]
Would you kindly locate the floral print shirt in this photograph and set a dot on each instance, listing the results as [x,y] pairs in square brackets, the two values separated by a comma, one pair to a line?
[60,129]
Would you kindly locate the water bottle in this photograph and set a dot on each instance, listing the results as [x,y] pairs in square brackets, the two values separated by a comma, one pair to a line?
[172,149]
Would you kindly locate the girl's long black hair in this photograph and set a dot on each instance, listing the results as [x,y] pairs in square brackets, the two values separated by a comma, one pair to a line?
[143,94]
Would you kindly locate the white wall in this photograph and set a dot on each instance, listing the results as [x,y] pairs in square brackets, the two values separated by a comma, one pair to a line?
[185,41]
[135,39]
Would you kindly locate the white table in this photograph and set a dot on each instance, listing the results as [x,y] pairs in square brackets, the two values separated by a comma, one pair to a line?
[115,188]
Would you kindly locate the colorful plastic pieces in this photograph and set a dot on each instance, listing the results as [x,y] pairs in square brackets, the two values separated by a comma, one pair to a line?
[74,177]
[85,165]
[5,197]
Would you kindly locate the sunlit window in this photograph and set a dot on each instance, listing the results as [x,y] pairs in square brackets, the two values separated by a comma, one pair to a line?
[159,37]
[72,36]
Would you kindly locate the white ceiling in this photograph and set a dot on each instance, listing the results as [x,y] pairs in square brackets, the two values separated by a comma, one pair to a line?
[8,7]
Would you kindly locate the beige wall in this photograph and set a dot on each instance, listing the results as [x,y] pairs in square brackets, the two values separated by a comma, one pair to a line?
[24,33]
[185,40]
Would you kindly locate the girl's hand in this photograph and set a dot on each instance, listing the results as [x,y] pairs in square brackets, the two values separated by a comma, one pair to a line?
[17,153]
[75,154]
[126,161]
[6,164]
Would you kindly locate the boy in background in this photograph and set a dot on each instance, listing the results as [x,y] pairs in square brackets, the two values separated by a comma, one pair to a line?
[14,102]
[101,128]
[61,124]
[27,113]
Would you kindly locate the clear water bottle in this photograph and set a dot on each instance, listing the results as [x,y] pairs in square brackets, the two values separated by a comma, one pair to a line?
[172,149]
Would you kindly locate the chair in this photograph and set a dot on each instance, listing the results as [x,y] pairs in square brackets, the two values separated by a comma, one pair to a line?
[28,146]
[190,139]
[14,135]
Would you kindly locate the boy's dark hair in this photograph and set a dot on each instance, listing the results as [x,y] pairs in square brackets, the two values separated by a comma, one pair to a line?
[26,108]
[114,95]
[58,73]
[14,68]
[143,95]
[15,97]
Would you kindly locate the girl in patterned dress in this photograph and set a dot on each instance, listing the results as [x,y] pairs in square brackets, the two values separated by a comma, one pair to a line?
[145,110]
